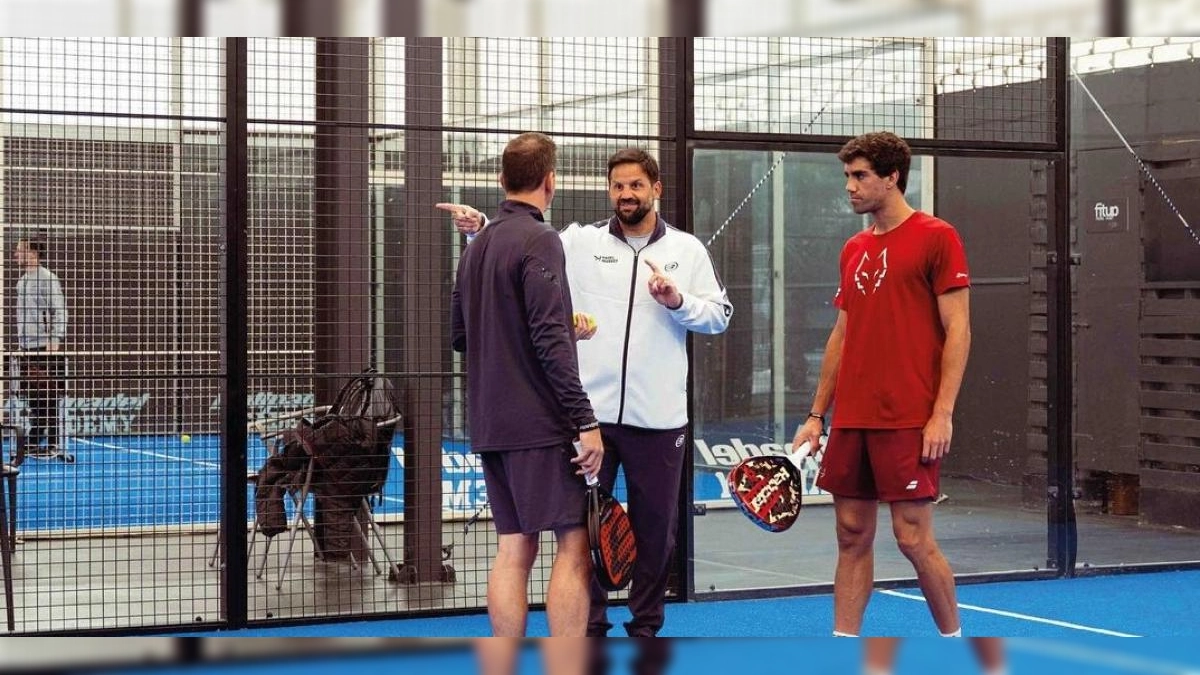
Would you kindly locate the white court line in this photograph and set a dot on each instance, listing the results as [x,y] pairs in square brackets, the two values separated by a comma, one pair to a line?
[1015,615]
[159,455]
[743,568]
[1100,657]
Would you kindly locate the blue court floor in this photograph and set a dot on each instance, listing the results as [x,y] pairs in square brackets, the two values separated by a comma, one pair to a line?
[1093,655]
[1162,604]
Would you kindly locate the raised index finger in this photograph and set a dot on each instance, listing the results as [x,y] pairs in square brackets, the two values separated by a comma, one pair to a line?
[653,267]
[454,209]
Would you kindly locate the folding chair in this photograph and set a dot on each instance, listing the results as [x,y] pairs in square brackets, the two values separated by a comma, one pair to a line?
[270,436]
[342,458]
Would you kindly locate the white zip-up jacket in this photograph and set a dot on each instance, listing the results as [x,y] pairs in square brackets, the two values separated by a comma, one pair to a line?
[635,368]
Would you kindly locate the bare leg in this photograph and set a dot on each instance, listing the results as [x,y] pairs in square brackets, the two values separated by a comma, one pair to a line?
[565,656]
[567,602]
[912,523]
[497,656]
[855,575]
[508,600]
[879,654]
[990,652]
[567,598]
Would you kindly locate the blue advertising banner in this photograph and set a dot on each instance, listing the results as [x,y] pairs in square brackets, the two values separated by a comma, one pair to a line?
[718,448]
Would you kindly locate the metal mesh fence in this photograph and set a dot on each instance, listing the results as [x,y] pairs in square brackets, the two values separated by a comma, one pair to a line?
[949,89]
[105,156]
[113,155]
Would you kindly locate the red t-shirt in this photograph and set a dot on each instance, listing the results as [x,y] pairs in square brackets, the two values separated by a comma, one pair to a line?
[892,354]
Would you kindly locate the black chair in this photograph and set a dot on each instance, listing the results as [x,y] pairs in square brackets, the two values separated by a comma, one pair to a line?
[342,461]
[338,453]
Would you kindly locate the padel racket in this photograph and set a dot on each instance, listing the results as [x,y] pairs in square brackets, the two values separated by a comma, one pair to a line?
[610,537]
[768,488]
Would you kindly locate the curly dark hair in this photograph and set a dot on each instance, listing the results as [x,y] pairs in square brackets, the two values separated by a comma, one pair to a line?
[886,152]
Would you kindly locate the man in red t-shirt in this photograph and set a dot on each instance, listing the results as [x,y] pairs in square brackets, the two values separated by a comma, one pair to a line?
[895,359]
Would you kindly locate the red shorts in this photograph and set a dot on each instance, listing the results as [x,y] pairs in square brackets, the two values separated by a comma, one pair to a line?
[883,464]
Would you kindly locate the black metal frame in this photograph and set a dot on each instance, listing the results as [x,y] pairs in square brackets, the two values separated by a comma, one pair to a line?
[1061,528]
[683,143]
[1061,534]
[235,413]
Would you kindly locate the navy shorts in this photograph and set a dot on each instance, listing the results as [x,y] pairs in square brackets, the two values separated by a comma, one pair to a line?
[533,491]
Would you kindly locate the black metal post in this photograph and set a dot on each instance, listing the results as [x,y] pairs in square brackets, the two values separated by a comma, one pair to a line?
[402,18]
[678,86]
[1116,18]
[311,17]
[234,589]
[686,18]
[424,248]
[1062,535]
[189,18]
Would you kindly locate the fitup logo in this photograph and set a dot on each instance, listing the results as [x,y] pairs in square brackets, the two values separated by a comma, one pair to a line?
[1105,212]
[679,441]
[671,267]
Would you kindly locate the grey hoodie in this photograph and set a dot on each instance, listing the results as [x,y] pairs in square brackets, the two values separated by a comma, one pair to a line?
[41,309]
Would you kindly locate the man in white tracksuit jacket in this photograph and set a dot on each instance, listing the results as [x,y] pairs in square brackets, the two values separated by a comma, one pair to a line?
[646,284]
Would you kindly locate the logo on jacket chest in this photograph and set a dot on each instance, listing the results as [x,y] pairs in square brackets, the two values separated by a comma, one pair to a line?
[869,274]
[610,259]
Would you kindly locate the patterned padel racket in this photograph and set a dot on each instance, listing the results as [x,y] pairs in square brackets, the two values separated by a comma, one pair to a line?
[610,537]
[768,489]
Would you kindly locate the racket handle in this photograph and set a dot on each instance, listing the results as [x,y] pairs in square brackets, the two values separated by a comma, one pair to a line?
[798,454]
[592,481]
[797,458]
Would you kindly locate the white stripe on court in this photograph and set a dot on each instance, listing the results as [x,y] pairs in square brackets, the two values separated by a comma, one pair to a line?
[1015,615]
[1100,657]
[755,570]
[159,455]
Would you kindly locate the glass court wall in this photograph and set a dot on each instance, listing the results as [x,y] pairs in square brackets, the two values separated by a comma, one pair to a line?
[242,226]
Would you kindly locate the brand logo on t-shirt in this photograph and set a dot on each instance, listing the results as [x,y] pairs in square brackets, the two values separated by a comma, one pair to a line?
[671,267]
[605,258]
[869,274]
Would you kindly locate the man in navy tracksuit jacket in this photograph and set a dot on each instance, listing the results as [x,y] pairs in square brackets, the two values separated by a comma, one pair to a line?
[647,284]
[511,313]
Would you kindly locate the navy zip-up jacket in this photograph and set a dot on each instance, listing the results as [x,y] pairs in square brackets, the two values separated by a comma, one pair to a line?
[511,314]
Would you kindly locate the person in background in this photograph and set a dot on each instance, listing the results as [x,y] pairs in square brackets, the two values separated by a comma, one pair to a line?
[41,330]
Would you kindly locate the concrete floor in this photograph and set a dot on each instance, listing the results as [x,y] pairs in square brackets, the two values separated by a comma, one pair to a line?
[165,579]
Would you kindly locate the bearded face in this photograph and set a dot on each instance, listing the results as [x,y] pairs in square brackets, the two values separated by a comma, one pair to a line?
[631,193]
[631,211]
